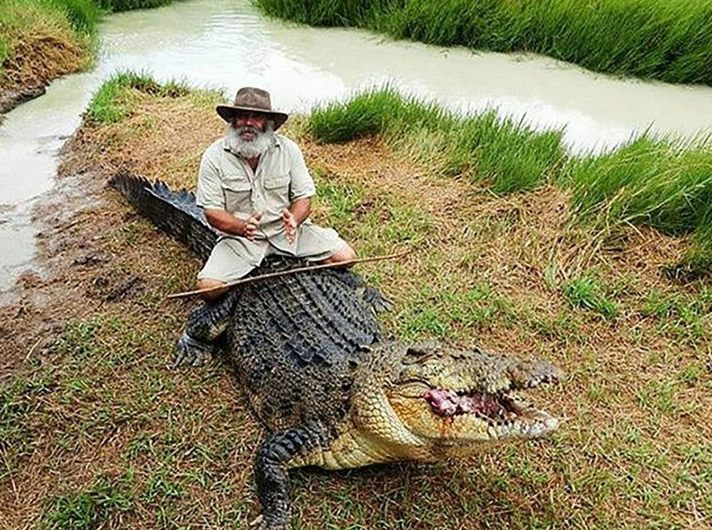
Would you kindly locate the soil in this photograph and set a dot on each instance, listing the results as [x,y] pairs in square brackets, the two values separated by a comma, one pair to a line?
[11,98]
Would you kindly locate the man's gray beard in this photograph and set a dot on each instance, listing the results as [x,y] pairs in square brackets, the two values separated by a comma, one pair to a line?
[250,148]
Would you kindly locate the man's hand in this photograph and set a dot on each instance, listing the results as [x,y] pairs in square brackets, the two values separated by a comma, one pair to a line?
[290,225]
[252,224]
[227,222]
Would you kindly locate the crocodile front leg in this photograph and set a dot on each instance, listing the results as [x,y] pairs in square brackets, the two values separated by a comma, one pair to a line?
[275,456]
[205,324]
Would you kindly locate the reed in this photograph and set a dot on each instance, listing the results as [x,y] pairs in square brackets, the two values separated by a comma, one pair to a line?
[657,39]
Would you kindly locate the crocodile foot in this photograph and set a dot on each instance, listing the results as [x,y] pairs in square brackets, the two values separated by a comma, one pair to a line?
[191,351]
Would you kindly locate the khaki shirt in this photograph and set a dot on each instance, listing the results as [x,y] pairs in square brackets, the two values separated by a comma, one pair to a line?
[227,182]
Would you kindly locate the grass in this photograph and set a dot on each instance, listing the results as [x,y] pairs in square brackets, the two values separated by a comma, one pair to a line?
[658,183]
[44,39]
[112,102]
[587,293]
[657,39]
[501,152]
[34,30]
[90,507]
[105,435]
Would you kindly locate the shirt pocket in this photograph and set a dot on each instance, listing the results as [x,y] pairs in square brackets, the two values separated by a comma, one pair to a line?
[238,195]
[277,191]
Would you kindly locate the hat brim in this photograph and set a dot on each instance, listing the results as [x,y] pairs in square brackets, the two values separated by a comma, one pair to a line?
[227,112]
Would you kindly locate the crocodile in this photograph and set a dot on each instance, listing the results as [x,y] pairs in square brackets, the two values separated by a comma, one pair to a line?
[329,387]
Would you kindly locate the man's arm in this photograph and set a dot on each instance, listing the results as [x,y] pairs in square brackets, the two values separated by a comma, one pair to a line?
[301,209]
[230,224]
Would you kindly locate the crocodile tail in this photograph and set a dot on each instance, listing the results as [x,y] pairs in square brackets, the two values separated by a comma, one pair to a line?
[174,212]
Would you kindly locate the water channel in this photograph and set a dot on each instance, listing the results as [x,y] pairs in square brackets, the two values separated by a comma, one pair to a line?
[227,44]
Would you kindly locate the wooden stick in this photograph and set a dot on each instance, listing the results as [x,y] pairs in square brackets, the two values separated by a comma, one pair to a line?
[187,294]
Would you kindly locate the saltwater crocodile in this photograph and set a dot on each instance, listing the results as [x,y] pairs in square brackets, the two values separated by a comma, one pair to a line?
[331,392]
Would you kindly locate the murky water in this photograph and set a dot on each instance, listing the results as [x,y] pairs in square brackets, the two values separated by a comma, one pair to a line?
[226,43]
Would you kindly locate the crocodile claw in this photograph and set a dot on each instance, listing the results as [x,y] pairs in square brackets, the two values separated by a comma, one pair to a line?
[191,351]
[378,302]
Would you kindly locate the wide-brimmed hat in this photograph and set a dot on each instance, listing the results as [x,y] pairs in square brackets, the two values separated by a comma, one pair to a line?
[252,100]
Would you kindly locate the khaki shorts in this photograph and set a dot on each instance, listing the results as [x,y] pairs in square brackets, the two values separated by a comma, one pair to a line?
[233,258]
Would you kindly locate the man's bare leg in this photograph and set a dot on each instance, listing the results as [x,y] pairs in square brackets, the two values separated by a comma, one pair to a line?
[345,253]
[209,283]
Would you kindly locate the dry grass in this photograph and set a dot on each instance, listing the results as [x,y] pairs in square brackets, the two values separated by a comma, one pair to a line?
[42,46]
[96,410]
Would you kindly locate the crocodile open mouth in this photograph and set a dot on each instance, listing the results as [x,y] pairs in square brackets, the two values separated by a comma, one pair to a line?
[449,403]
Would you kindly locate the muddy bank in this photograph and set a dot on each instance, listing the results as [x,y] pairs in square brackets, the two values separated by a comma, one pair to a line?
[9,99]
[95,411]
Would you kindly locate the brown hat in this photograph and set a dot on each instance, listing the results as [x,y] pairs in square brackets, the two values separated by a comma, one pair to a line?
[252,100]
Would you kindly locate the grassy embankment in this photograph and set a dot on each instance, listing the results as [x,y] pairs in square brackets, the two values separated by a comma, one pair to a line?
[41,40]
[98,432]
[658,39]
[650,182]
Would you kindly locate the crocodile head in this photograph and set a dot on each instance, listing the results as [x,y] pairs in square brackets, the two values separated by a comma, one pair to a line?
[437,400]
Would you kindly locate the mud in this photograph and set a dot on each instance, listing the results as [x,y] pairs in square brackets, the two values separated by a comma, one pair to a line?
[80,275]
[9,99]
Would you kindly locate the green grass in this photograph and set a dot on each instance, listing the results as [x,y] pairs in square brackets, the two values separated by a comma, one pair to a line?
[502,152]
[113,101]
[84,15]
[658,39]
[89,508]
[659,183]
[586,292]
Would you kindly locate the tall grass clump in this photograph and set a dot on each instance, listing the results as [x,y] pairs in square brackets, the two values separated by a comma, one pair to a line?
[483,147]
[31,31]
[658,183]
[658,39]
[113,102]
[43,39]
[662,184]
[83,15]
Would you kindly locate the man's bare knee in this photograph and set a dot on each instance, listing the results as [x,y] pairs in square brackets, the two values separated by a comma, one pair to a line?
[217,287]
[345,253]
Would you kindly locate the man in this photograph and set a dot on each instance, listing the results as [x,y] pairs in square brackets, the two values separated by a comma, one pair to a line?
[256,191]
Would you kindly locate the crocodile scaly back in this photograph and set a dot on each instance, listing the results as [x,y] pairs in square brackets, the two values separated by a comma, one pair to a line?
[295,342]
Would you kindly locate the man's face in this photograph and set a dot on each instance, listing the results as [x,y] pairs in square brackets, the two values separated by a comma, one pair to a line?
[249,125]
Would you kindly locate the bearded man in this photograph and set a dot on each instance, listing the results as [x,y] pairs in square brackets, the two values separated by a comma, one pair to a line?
[256,191]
